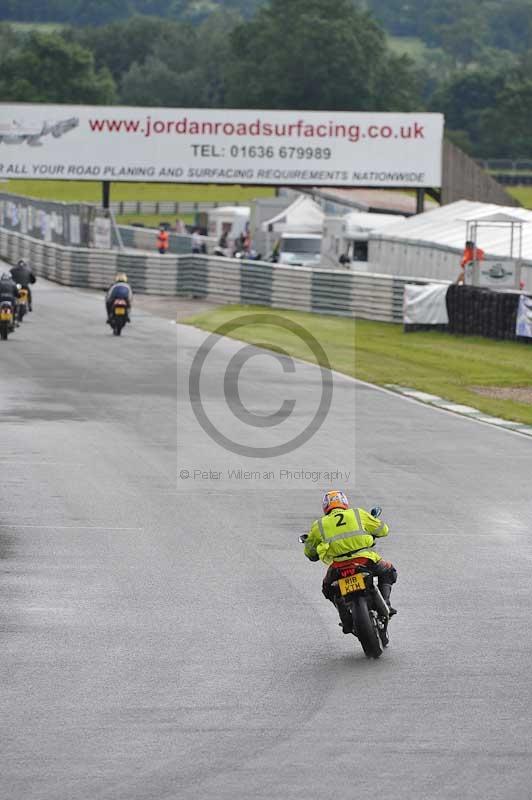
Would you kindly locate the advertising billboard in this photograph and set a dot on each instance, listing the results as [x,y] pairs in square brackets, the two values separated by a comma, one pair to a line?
[298,148]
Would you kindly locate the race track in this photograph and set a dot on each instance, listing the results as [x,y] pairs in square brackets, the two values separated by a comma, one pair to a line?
[164,637]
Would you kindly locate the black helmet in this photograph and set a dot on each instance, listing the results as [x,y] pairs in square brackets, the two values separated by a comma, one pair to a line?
[21,263]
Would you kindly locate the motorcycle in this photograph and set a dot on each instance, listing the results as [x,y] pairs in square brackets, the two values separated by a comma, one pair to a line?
[357,590]
[6,319]
[22,304]
[119,316]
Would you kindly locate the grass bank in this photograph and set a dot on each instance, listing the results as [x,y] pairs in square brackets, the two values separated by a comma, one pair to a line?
[521,193]
[91,191]
[153,220]
[441,364]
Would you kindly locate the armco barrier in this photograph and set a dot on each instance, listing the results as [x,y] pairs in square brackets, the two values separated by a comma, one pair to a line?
[225,280]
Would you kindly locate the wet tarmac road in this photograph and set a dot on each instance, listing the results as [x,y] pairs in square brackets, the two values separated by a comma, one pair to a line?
[163,636]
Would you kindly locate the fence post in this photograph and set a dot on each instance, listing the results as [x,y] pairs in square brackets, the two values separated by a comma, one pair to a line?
[106,193]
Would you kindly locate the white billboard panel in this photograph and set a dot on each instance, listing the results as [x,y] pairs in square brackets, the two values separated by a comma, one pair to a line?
[305,148]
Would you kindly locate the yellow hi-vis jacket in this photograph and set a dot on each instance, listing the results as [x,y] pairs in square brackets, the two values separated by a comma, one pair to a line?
[344,534]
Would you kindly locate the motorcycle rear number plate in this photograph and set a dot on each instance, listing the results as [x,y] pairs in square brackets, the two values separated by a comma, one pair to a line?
[120,312]
[5,315]
[354,583]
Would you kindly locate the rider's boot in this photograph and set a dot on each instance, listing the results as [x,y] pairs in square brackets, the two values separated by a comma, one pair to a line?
[345,617]
[386,590]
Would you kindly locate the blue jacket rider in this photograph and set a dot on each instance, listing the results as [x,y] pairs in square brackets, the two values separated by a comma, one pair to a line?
[119,290]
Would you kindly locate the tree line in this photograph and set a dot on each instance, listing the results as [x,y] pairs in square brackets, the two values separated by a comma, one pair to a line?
[461,27]
[101,12]
[301,54]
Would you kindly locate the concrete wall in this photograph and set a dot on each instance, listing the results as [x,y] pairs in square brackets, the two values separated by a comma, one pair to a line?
[463,179]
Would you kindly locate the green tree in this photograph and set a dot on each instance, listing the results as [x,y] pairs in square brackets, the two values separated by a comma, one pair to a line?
[315,54]
[154,83]
[184,68]
[507,126]
[465,96]
[8,38]
[397,16]
[47,69]
[101,12]
[118,45]
[462,100]
[511,25]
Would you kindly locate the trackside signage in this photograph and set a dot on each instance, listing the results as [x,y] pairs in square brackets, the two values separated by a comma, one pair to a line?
[220,146]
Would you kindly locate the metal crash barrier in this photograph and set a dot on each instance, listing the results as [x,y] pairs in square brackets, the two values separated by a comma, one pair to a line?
[225,280]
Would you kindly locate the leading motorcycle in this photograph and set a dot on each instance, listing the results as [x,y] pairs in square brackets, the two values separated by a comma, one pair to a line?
[119,316]
[357,589]
[22,303]
[7,324]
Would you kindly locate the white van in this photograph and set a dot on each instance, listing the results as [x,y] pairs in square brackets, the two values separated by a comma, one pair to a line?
[345,239]
[300,249]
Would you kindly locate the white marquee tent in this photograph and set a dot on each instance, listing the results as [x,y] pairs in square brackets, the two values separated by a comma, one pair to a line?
[447,226]
[358,224]
[303,216]
[430,245]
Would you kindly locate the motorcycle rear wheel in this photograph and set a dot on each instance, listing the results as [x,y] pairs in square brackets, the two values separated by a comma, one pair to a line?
[366,629]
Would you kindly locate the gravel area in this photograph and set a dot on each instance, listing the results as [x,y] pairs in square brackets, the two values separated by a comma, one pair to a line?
[519,394]
[177,308]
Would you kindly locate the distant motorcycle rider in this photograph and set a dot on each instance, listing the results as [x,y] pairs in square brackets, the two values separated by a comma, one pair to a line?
[23,275]
[8,292]
[8,288]
[343,538]
[119,290]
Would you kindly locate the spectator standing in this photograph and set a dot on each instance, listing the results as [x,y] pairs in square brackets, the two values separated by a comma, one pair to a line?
[471,254]
[275,252]
[238,245]
[196,241]
[162,240]
[223,241]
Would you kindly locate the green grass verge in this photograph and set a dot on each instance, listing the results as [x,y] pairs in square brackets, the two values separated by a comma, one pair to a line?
[91,191]
[153,220]
[382,353]
[521,193]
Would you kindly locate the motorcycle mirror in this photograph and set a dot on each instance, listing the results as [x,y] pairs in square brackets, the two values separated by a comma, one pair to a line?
[376,511]
[303,538]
